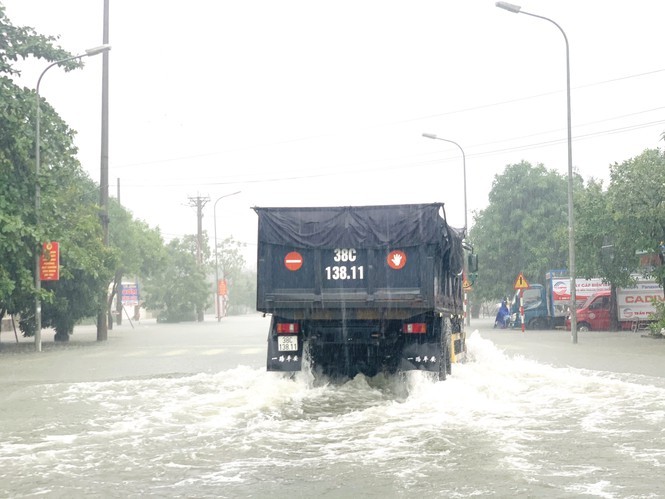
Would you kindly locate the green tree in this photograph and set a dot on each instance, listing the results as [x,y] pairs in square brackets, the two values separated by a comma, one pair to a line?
[22,42]
[68,212]
[615,225]
[18,234]
[70,215]
[241,282]
[637,201]
[141,251]
[179,288]
[523,229]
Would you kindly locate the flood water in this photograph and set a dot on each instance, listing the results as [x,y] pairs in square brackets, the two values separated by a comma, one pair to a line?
[500,426]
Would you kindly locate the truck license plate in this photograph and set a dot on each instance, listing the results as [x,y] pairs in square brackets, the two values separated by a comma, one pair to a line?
[287,343]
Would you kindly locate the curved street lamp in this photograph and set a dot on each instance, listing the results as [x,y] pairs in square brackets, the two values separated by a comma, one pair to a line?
[466,227]
[433,136]
[516,9]
[214,218]
[38,282]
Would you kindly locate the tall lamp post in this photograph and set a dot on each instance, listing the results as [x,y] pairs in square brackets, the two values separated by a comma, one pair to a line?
[466,227]
[214,221]
[433,136]
[38,282]
[516,9]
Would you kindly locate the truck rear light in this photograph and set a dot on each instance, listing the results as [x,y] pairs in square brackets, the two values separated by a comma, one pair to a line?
[288,328]
[415,328]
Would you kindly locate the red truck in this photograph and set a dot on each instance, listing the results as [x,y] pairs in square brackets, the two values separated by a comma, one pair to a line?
[634,306]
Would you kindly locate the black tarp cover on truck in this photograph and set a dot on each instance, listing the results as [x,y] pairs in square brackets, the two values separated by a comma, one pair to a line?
[369,227]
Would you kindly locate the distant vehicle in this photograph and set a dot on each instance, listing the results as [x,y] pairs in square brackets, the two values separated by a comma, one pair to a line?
[634,306]
[594,314]
[364,289]
[546,307]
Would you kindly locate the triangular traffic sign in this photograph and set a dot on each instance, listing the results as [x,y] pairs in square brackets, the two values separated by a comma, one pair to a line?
[520,282]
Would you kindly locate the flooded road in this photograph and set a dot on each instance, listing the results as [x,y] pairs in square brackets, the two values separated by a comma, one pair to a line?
[189,411]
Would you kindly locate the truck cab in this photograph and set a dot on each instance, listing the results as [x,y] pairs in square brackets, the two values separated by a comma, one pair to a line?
[594,314]
[535,308]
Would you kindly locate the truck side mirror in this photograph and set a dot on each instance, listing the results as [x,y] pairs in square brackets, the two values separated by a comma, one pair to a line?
[472,263]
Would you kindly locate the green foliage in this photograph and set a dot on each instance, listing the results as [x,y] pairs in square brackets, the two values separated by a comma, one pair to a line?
[21,42]
[657,327]
[523,229]
[179,288]
[628,218]
[241,282]
[18,236]
[637,202]
[140,249]
[67,214]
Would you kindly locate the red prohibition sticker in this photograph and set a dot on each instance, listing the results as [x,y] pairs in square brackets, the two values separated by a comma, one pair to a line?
[293,260]
[396,259]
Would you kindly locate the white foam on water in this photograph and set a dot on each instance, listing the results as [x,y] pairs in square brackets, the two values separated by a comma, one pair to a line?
[501,422]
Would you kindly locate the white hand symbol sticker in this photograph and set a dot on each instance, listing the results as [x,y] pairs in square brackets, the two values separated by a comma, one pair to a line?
[396,259]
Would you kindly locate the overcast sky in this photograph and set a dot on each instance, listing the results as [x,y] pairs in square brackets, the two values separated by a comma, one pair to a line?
[312,102]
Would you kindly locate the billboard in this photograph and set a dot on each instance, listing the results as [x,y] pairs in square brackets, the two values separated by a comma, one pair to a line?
[49,262]
[636,302]
[129,293]
[561,290]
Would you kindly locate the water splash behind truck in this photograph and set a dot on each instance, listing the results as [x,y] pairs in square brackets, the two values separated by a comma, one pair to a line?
[361,289]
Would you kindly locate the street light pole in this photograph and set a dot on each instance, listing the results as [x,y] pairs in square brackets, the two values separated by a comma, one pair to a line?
[433,136]
[214,221]
[571,220]
[466,226]
[38,281]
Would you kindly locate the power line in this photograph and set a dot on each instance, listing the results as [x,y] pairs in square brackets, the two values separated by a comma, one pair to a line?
[335,170]
[397,122]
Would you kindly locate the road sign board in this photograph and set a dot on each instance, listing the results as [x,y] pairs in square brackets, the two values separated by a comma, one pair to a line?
[293,261]
[520,282]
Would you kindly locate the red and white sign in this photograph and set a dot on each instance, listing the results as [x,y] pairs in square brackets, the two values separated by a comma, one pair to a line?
[293,261]
[396,259]
[637,302]
[49,262]
[521,282]
[129,294]
[584,288]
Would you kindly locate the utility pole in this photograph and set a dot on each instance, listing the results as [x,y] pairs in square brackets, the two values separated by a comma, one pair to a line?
[199,202]
[102,320]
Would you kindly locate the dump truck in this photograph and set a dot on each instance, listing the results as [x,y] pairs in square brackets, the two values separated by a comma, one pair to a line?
[362,289]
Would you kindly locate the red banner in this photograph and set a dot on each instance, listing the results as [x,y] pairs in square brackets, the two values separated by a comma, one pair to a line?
[222,289]
[49,262]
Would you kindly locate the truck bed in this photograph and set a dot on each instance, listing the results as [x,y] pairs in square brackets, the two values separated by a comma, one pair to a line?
[358,262]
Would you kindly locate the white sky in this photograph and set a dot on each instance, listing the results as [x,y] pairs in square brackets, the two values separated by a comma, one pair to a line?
[323,103]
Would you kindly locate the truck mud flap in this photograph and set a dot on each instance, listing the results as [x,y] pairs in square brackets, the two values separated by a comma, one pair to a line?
[421,356]
[458,353]
[284,360]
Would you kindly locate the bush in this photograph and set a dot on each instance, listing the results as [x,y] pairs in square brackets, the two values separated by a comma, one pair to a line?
[658,325]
